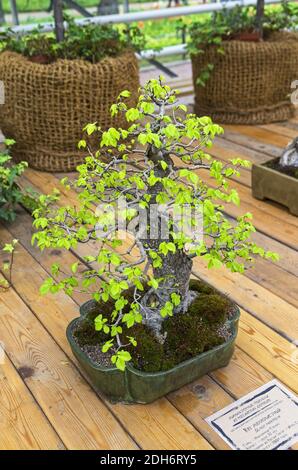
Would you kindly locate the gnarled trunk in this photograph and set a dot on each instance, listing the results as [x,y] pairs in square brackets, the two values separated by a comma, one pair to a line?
[175,271]
[176,267]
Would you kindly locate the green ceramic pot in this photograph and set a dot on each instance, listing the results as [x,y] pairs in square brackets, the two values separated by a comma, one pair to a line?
[135,386]
[268,183]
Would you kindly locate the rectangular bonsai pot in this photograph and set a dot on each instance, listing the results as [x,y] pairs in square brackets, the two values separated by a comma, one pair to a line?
[268,183]
[135,386]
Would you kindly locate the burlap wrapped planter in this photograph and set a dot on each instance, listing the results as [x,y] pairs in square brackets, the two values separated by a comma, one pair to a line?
[47,106]
[250,82]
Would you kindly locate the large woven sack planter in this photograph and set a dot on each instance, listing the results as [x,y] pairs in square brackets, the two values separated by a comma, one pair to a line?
[47,106]
[250,82]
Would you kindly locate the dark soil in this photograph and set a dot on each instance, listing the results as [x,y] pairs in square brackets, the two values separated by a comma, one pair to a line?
[252,36]
[288,170]
[200,329]
[41,59]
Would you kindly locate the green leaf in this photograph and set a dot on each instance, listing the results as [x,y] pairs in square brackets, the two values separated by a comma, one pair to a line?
[108,345]
[132,114]
[164,165]
[124,94]
[176,299]
[120,359]
[90,128]
[82,144]
[46,286]
[74,267]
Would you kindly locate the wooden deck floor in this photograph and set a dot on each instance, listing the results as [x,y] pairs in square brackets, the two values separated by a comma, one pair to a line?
[45,401]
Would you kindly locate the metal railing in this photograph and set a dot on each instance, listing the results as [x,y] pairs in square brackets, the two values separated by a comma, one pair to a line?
[143,15]
[151,54]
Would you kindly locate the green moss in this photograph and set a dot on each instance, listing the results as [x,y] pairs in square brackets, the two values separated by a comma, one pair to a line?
[201,287]
[197,330]
[212,308]
[86,333]
[148,354]
[187,335]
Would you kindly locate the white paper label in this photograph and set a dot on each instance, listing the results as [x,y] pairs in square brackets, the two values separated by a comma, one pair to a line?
[265,419]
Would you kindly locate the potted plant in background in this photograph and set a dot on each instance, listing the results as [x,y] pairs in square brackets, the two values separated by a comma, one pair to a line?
[149,329]
[244,61]
[54,84]
[11,195]
[277,179]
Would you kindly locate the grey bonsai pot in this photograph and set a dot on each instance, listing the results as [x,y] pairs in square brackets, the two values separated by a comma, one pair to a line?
[135,386]
[268,183]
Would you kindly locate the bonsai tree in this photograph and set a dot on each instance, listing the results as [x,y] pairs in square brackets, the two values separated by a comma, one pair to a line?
[156,168]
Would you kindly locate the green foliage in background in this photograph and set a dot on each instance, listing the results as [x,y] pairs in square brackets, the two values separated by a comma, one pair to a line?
[227,24]
[42,5]
[10,193]
[91,42]
[8,251]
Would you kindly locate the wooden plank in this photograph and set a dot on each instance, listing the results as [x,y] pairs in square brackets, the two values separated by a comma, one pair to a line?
[253,144]
[281,130]
[201,430]
[207,395]
[288,256]
[241,293]
[199,400]
[22,229]
[260,209]
[243,375]
[226,150]
[262,135]
[159,421]
[289,125]
[269,349]
[265,305]
[286,287]
[279,322]
[277,340]
[54,312]
[266,216]
[23,425]
[275,279]
[55,383]
[199,423]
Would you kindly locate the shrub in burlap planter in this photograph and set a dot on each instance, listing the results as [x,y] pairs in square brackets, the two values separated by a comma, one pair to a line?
[250,82]
[47,106]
